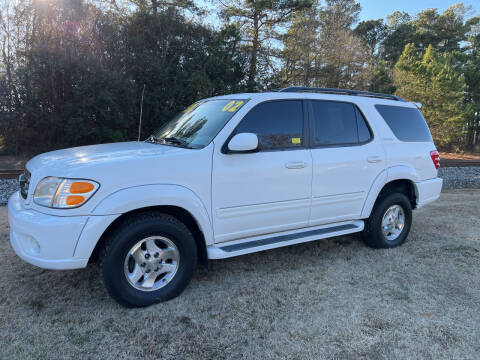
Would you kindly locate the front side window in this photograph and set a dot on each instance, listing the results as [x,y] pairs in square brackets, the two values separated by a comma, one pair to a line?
[337,123]
[198,124]
[278,124]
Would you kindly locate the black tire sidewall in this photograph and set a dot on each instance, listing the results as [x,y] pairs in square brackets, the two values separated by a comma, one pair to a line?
[124,239]
[375,235]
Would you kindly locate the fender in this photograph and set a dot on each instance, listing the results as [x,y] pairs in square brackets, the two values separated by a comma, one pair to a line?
[399,172]
[133,198]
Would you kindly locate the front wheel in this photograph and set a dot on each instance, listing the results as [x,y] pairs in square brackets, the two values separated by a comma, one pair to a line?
[149,258]
[389,223]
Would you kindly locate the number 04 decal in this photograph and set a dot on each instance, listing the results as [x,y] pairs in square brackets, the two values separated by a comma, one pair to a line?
[233,106]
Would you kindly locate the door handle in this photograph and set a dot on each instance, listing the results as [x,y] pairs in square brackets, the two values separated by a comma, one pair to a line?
[296,165]
[374,159]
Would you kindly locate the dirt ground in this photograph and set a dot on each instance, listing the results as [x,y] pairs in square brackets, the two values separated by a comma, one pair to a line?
[12,162]
[455,156]
[330,299]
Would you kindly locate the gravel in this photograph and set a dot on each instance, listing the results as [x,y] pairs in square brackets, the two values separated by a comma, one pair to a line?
[460,177]
[453,178]
[7,188]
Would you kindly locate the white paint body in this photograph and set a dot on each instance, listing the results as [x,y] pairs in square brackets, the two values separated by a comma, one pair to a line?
[233,197]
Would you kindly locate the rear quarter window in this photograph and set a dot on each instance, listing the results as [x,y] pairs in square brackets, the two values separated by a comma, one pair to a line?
[407,124]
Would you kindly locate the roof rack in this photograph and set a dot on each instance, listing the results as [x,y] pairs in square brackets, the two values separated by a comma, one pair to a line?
[341,92]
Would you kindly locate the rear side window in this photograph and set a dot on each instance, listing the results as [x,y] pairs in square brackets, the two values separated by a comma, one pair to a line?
[338,123]
[278,124]
[364,134]
[407,124]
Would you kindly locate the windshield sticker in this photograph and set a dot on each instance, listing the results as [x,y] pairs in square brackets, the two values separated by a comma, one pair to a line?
[192,107]
[233,106]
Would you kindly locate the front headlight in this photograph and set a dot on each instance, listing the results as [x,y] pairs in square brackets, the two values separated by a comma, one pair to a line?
[63,193]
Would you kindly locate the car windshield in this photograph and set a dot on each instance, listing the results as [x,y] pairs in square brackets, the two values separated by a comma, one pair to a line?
[198,124]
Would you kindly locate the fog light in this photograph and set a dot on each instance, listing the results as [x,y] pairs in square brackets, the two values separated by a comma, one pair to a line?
[31,245]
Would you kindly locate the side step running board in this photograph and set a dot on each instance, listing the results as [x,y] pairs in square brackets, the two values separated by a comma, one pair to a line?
[260,243]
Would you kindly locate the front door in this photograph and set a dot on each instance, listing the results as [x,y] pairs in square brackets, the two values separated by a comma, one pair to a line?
[267,191]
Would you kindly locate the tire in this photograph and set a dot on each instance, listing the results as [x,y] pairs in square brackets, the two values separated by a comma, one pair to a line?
[128,242]
[373,235]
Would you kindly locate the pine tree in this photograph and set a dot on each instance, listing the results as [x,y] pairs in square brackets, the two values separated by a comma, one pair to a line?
[382,79]
[259,21]
[431,79]
[320,49]
[300,49]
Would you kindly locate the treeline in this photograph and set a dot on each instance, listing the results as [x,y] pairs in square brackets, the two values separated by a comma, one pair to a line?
[72,72]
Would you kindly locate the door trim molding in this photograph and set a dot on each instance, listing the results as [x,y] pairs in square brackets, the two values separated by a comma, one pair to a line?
[235,211]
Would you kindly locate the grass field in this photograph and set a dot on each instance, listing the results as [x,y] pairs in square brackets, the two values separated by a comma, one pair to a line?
[330,299]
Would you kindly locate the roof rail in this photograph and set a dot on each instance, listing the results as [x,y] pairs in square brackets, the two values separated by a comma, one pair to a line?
[341,92]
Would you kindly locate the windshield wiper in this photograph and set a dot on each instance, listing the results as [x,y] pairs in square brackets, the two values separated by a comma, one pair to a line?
[152,139]
[170,140]
[177,141]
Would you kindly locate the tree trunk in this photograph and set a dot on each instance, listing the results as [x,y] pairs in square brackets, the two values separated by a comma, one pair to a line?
[253,61]
[154,6]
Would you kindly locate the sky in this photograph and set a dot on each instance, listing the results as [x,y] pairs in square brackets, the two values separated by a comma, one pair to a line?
[376,9]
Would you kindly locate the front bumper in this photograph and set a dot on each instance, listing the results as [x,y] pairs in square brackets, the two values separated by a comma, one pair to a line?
[46,241]
[428,191]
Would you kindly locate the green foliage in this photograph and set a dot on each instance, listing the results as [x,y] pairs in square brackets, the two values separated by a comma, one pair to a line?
[321,50]
[340,13]
[72,71]
[444,32]
[382,80]
[161,5]
[451,42]
[188,63]
[372,33]
[430,78]
[259,21]
[300,52]
[469,62]
[79,75]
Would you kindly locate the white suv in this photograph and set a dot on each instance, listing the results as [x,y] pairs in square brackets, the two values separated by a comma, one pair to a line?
[228,176]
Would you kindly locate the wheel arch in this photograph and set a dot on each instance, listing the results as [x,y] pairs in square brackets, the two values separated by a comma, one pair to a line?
[177,212]
[176,200]
[398,178]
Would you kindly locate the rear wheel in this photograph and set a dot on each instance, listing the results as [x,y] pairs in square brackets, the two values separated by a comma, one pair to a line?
[149,258]
[389,223]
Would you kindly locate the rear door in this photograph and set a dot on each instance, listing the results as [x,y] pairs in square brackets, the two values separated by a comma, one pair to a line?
[346,160]
[413,141]
[267,191]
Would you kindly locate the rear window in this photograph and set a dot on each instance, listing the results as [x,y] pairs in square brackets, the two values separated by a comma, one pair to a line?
[407,124]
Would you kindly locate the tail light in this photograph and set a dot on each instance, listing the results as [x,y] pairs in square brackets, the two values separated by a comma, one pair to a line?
[435,158]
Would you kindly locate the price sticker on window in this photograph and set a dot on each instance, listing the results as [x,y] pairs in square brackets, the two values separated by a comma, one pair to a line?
[296,141]
[233,106]
[192,107]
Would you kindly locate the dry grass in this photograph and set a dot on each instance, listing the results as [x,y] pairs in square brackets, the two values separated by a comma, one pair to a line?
[333,299]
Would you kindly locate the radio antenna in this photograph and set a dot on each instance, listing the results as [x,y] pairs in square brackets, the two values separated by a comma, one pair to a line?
[141,112]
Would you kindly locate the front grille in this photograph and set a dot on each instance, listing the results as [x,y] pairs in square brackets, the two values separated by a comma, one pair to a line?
[24,180]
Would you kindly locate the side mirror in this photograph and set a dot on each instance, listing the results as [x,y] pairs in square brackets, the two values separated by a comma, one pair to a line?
[243,142]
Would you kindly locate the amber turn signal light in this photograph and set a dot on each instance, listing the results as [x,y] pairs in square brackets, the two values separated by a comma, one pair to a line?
[81,187]
[74,200]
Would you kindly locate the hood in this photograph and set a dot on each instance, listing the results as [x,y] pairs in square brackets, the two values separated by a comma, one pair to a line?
[78,160]
[119,166]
